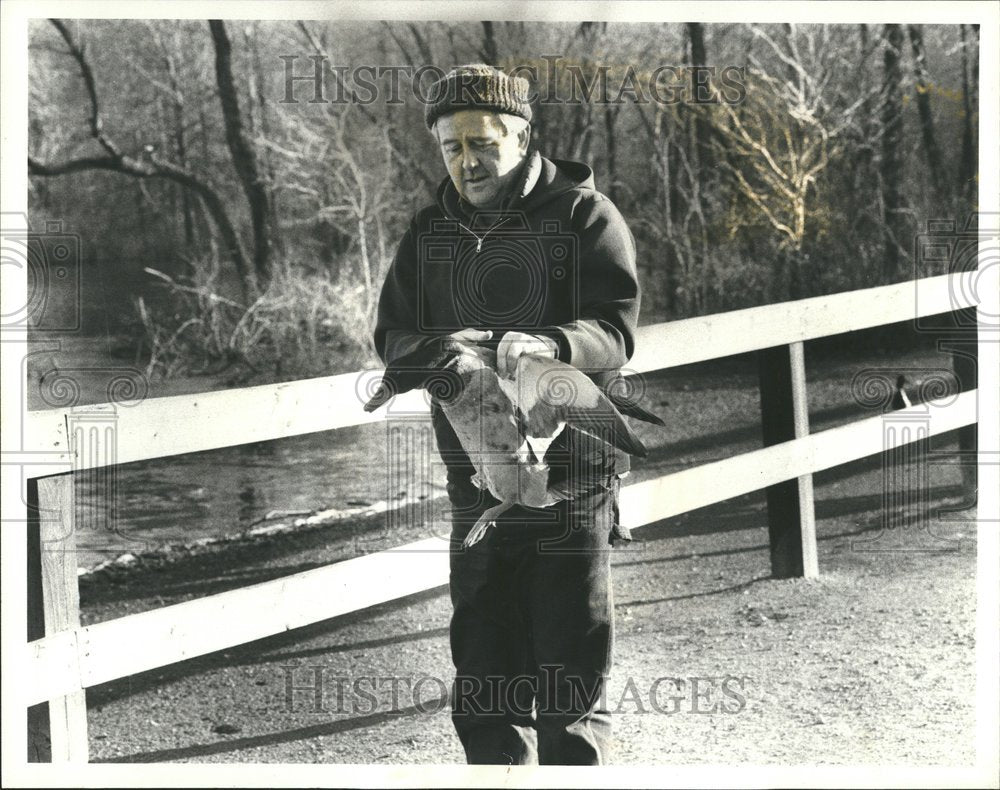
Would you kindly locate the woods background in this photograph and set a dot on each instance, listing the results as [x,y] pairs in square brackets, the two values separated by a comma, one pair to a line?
[221,226]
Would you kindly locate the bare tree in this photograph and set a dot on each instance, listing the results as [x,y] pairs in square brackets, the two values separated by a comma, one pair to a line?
[397,138]
[893,201]
[575,121]
[967,169]
[934,159]
[243,154]
[779,141]
[676,221]
[175,97]
[698,58]
[259,101]
[867,134]
[489,51]
[423,46]
[611,112]
[146,165]
[801,187]
[355,196]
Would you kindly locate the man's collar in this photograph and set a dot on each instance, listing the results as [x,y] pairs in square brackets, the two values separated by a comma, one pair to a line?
[529,177]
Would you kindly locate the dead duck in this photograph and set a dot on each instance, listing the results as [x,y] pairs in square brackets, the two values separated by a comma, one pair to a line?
[505,425]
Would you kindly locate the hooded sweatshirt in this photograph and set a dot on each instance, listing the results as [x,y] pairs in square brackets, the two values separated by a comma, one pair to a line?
[556,260]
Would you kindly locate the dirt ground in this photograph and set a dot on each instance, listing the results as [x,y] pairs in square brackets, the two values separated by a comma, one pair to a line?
[871,664]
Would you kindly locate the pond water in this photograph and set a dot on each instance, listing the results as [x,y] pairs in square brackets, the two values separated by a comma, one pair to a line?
[139,506]
[226,491]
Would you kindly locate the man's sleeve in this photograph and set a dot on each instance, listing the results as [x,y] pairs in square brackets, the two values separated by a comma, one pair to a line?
[603,336]
[396,327]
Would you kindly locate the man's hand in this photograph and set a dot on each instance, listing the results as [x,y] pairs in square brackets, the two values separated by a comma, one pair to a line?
[513,344]
[471,336]
[400,343]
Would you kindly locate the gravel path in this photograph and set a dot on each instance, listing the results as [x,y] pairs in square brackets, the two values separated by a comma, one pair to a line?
[873,663]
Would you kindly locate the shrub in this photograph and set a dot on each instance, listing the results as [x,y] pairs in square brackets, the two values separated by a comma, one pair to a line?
[303,324]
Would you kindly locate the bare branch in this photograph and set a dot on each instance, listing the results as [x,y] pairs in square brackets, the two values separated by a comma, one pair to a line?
[79,54]
[402,47]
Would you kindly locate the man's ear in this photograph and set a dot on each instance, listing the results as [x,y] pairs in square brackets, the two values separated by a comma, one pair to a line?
[523,138]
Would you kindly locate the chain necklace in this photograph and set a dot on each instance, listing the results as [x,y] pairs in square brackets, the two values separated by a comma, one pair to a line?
[481,239]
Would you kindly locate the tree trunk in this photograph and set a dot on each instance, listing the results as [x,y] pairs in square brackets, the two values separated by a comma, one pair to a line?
[671,197]
[575,144]
[702,150]
[866,155]
[489,50]
[423,46]
[610,116]
[180,145]
[699,146]
[934,159]
[257,87]
[892,162]
[968,165]
[864,179]
[243,154]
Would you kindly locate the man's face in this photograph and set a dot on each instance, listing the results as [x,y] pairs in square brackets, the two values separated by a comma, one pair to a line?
[481,159]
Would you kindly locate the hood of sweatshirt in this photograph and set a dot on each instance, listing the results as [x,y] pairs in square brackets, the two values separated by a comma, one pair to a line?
[541,181]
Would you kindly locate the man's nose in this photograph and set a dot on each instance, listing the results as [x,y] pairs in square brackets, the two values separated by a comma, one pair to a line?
[469,160]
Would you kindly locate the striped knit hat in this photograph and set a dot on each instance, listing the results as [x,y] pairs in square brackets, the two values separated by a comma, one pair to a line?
[477,86]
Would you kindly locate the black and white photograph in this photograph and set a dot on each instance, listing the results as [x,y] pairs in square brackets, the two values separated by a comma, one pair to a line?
[468,394]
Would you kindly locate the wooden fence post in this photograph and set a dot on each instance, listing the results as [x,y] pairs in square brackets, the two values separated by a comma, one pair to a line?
[53,606]
[956,334]
[784,410]
[965,364]
[39,750]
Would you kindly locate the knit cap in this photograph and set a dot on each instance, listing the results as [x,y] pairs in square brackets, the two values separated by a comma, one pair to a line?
[477,86]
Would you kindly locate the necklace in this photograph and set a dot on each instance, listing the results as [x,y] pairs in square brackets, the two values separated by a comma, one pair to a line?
[481,239]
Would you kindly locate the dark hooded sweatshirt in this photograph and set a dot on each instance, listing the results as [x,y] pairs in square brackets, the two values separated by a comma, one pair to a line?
[557,260]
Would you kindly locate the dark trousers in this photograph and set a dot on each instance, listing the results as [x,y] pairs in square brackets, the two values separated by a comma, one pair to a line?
[532,631]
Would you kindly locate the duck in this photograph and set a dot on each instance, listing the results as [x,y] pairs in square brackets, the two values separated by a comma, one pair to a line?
[506,423]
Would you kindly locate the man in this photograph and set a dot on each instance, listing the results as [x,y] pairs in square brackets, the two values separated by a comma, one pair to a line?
[522,254]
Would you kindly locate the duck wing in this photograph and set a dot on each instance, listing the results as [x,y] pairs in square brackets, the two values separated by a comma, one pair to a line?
[551,394]
[630,408]
[571,486]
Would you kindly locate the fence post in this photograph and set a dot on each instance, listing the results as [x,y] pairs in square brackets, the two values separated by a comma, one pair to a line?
[39,750]
[784,411]
[965,364]
[53,606]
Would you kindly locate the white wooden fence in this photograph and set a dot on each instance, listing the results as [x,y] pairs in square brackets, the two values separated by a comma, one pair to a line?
[71,658]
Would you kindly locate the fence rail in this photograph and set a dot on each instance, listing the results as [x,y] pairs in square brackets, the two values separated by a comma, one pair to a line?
[162,427]
[96,654]
[70,658]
